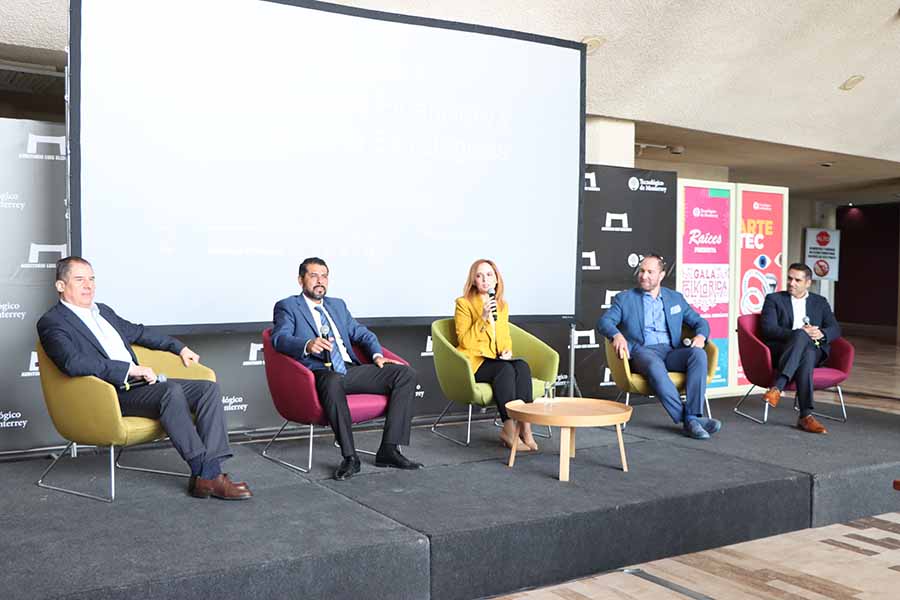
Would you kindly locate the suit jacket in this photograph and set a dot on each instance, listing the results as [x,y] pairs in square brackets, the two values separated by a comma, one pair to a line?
[77,352]
[626,316]
[475,336]
[295,326]
[777,319]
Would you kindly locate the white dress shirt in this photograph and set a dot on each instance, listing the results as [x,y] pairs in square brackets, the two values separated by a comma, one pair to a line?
[106,334]
[312,304]
[799,306]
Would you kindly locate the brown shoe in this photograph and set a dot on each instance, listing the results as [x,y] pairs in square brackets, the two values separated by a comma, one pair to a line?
[897,484]
[772,396]
[220,487]
[242,484]
[809,423]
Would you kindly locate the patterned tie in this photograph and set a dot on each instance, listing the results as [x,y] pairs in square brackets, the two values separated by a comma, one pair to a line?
[337,359]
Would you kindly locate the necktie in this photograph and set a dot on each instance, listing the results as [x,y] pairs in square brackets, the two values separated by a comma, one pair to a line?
[337,359]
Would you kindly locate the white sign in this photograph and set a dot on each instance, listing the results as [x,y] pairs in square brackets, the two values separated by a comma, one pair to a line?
[823,253]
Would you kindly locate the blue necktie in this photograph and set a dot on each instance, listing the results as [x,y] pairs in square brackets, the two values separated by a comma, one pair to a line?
[337,359]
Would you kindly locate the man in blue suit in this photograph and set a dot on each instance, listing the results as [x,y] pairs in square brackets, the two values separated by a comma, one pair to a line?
[319,332]
[798,327]
[644,325]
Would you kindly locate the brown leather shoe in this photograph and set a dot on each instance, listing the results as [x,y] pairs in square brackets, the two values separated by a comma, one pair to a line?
[809,423]
[193,481]
[220,487]
[897,484]
[772,396]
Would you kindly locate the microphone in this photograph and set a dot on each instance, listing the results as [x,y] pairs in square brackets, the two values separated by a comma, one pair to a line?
[492,294]
[325,332]
[136,383]
[807,322]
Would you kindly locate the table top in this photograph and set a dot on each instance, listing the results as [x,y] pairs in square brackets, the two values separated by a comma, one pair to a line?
[570,412]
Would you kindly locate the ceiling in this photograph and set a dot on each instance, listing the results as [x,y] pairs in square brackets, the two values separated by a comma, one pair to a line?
[753,161]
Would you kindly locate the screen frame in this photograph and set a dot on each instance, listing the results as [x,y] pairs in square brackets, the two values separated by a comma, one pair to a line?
[73,119]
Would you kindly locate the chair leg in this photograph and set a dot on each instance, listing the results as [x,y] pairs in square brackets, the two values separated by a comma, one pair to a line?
[751,417]
[284,463]
[447,437]
[358,450]
[708,411]
[112,478]
[144,469]
[840,419]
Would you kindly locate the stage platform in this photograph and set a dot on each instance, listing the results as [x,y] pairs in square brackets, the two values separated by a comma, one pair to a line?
[464,527]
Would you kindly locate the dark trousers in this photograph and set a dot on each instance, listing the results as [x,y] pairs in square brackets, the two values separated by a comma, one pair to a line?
[176,403]
[396,381]
[655,362]
[796,358]
[509,379]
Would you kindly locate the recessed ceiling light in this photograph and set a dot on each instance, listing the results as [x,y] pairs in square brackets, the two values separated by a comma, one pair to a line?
[593,43]
[851,82]
[826,164]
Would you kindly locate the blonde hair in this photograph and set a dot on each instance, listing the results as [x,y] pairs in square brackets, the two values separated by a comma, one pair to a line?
[470,290]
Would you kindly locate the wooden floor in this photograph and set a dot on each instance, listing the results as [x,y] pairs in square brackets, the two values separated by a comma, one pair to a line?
[855,561]
[876,368]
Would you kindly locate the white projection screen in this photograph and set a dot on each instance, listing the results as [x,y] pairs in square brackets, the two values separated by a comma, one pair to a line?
[217,143]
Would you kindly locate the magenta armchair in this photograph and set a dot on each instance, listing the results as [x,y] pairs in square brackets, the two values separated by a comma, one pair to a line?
[756,359]
[293,389]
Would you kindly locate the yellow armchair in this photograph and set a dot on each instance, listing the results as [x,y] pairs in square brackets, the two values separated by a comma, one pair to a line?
[629,382]
[85,410]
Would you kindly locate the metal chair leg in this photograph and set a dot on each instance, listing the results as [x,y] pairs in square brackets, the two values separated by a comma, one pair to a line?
[751,417]
[841,419]
[144,469]
[708,411]
[447,437]
[358,450]
[284,462]
[112,478]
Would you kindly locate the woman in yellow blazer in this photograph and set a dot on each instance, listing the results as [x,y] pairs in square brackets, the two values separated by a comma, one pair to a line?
[485,339]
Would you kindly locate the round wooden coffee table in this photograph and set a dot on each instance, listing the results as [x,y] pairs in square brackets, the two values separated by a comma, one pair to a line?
[567,414]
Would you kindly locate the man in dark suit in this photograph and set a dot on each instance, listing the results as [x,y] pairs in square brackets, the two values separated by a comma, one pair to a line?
[644,325]
[299,333]
[798,327]
[85,338]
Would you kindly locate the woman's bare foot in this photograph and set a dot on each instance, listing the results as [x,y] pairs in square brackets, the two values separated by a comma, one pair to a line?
[526,437]
[509,436]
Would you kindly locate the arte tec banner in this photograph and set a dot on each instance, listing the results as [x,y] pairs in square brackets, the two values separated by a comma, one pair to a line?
[626,213]
[32,239]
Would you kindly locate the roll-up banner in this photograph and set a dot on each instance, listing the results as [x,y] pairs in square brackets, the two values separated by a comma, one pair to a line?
[626,213]
[705,259]
[761,250]
[32,239]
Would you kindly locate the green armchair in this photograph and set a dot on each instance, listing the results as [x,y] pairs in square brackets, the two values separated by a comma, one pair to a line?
[457,381]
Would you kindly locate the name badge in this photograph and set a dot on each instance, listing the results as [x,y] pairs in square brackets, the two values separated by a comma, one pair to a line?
[675,309]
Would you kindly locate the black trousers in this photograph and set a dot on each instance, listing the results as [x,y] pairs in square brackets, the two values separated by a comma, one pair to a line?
[396,381]
[796,358]
[176,403]
[510,380]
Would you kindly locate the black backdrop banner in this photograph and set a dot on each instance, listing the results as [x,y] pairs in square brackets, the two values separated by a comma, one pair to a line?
[625,213]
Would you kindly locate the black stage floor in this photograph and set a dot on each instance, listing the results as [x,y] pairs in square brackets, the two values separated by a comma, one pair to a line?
[464,527]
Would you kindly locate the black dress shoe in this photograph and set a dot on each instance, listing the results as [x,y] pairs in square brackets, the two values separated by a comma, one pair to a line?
[391,457]
[348,468]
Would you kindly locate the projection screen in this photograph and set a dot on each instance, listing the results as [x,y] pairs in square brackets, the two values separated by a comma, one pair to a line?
[216,143]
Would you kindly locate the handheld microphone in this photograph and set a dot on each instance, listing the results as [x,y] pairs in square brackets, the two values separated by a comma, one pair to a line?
[806,321]
[325,332]
[136,383]
[492,294]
